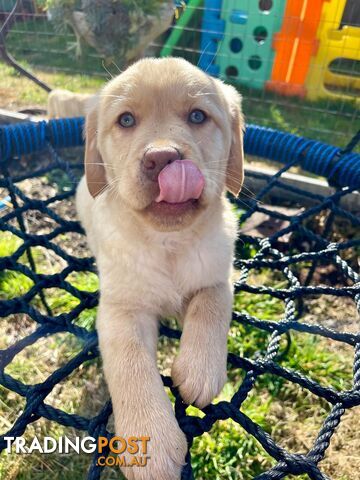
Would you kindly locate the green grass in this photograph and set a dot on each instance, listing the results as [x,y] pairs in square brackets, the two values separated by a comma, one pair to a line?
[17,92]
[14,284]
[37,43]
[46,52]
[36,362]
[227,452]
[330,121]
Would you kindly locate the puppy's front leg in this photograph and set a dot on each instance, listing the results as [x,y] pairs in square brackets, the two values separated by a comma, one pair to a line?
[200,368]
[141,407]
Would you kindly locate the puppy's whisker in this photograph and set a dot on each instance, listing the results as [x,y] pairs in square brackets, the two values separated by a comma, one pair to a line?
[202,94]
[218,186]
[238,199]
[215,55]
[229,174]
[115,65]
[106,70]
[110,185]
[118,98]
[101,163]
[250,191]
[113,96]
[203,53]
[232,173]
[219,195]
[114,192]
[218,161]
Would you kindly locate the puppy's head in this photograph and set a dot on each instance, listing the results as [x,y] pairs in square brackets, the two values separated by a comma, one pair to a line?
[165,139]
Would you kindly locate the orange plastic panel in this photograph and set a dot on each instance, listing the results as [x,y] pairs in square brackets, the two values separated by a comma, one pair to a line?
[294,45]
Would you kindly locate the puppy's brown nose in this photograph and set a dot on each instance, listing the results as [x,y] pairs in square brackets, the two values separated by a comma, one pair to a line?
[155,159]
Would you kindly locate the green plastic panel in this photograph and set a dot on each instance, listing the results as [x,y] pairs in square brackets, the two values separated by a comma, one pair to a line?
[245,54]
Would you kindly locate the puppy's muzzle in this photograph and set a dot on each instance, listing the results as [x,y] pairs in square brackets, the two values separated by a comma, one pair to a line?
[155,159]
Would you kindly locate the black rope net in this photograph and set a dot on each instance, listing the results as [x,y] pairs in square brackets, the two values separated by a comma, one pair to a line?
[297,245]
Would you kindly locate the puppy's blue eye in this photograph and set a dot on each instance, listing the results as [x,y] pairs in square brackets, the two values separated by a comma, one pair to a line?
[126,120]
[197,116]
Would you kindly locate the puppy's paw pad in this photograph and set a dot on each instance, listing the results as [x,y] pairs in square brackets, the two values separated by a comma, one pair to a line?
[199,382]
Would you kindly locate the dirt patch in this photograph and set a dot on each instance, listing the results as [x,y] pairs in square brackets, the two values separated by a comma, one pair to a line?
[297,433]
[342,459]
[337,313]
[294,429]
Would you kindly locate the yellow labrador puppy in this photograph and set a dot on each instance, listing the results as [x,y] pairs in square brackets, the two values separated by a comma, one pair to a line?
[162,144]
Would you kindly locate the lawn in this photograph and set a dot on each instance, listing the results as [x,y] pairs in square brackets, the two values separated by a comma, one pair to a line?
[290,414]
[51,56]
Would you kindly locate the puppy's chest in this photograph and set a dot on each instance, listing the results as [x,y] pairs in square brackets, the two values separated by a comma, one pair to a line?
[191,269]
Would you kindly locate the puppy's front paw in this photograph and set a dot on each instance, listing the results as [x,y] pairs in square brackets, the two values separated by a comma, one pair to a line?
[166,451]
[200,377]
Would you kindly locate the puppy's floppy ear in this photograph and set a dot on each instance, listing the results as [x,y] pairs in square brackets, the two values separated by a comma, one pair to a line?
[235,166]
[94,167]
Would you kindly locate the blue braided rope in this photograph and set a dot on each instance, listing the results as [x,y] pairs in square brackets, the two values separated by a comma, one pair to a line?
[313,156]
[26,138]
[342,167]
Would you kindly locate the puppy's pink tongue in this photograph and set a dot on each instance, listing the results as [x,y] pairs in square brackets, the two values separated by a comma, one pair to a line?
[180,181]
